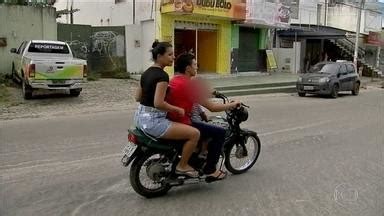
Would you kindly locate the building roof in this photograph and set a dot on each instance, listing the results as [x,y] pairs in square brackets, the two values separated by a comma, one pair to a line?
[312,32]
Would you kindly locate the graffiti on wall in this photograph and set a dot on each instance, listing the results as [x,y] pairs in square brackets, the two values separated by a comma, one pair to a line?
[103,48]
[108,47]
[80,49]
[102,41]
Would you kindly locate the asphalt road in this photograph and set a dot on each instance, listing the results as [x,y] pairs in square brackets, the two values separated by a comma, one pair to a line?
[320,157]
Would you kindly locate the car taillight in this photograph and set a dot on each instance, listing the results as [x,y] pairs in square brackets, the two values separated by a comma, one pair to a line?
[85,71]
[132,138]
[31,70]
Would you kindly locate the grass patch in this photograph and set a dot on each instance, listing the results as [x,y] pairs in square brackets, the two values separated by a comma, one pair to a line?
[111,74]
[4,93]
[5,79]
[93,77]
[121,75]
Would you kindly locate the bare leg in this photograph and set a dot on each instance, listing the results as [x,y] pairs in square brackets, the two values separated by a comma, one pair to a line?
[180,131]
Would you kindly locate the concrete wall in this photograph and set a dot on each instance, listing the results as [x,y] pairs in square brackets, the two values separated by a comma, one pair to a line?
[19,23]
[139,39]
[102,47]
[134,48]
[307,13]
[288,59]
[342,16]
[148,37]
[112,14]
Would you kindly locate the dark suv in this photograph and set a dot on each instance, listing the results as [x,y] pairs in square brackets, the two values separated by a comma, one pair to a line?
[329,78]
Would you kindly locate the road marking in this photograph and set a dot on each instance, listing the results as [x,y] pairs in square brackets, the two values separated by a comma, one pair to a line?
[80,161]
[22,163]
[77,210]
[7,174]
[295,128]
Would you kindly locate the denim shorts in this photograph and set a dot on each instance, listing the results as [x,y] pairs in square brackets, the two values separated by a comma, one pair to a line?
[152,121]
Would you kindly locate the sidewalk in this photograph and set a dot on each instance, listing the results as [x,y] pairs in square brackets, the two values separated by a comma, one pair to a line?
[375,82]
[247,83]
[249,78]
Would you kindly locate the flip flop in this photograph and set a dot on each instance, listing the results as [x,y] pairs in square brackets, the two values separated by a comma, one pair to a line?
[220,177]
[189,173]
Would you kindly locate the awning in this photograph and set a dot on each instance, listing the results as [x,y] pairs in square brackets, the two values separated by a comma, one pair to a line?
[312,32]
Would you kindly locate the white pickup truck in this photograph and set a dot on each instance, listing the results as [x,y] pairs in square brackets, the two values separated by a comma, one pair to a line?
[39,64]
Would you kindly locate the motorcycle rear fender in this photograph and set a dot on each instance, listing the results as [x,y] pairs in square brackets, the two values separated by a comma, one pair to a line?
[137,153]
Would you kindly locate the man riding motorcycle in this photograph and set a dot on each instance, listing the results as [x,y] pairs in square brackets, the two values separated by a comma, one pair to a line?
[184,93]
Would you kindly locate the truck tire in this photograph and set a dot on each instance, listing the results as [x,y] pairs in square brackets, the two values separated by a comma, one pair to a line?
[75,92]
[27,91]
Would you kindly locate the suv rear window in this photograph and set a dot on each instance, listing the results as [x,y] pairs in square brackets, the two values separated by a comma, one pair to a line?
[48,48]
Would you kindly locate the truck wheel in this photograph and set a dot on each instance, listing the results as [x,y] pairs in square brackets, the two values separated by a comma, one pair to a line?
[75,92]
[27,91]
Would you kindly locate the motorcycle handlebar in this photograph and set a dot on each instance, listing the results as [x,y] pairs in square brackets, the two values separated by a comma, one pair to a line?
[219,95]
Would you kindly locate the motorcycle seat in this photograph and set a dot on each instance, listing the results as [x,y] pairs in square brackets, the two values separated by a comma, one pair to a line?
[150,141]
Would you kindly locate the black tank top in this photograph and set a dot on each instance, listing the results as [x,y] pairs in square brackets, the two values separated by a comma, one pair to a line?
[148,82]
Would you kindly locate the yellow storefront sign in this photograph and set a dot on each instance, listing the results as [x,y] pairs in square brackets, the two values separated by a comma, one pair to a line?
[271,61]
[231,9]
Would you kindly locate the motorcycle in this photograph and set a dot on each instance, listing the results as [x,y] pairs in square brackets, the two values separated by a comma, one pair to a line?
[154,161]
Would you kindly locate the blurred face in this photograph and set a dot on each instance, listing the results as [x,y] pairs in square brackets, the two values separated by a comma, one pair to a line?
[204,88]
[166,59]
[191,70]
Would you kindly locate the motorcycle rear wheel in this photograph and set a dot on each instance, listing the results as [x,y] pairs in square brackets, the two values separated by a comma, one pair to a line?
[139,166]
[236,152]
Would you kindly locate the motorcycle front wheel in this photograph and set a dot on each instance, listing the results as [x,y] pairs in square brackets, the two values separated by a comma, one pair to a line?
[147,176]
[238,160]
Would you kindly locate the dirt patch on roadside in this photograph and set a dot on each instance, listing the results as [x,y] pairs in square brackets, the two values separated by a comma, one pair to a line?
[101,95]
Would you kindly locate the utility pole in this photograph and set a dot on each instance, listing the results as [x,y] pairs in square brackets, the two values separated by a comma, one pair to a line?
[133,11]
[72,12]
[66,15]
[378,58]
[355,56]
[325,12]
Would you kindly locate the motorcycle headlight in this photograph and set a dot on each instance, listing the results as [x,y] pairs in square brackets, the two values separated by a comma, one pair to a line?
[299,79]
[324,80]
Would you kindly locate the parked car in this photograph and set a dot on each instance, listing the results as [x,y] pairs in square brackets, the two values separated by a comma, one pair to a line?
[39,64]
[329,78]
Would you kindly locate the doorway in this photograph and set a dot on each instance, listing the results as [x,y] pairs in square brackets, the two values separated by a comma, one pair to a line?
[202,43]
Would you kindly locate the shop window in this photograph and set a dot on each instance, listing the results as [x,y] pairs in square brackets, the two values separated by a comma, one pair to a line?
[284,43]
[294,9]
[332,3]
